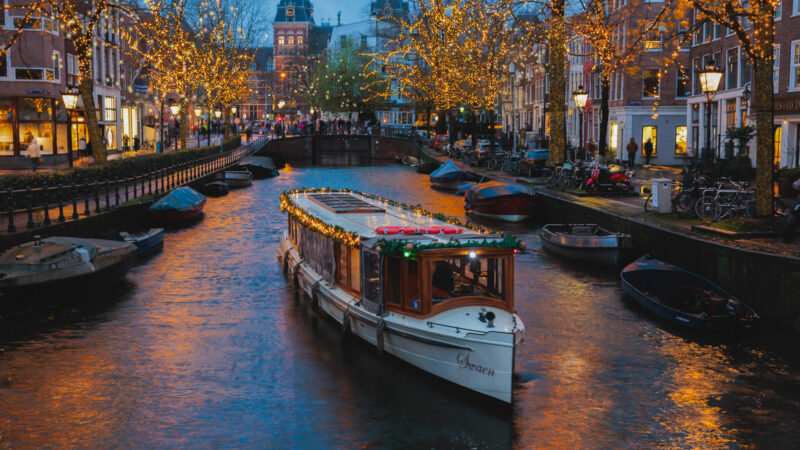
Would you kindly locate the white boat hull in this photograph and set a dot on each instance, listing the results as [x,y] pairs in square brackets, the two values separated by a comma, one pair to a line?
[482,361]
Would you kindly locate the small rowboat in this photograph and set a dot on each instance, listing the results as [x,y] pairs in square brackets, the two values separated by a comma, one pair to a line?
[215,189]
[499,201]
[448,177]
[179,206]
[260,166]
[145,242]
[587,243]
[684,297]
[238,178]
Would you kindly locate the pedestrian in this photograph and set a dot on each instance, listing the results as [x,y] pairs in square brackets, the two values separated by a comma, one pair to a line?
[592,149]
[125,142]
[136,144]
[794,214]
[34,152]
[632,148]
[648,152]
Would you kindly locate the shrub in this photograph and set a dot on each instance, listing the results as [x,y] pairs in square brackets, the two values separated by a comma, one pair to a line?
[789,174]
[110,170]
[739,168]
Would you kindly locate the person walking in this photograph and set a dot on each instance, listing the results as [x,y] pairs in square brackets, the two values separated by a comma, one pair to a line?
[592,149]
[632,148]
[648,152]
[34,152]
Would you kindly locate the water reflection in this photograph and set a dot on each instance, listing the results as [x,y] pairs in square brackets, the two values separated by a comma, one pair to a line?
[205,346]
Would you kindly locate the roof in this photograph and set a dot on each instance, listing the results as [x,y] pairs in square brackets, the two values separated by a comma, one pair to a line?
[262,56]
[354,216]
[320,36]
[295,11]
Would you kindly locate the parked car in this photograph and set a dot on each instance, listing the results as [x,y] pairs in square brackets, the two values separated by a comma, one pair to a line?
[440,141]
[533,163]
[483,152]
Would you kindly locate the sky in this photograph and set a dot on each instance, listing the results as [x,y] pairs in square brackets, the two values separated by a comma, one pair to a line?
[325,10]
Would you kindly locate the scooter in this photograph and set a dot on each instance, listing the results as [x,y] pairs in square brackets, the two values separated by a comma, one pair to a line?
[614,179]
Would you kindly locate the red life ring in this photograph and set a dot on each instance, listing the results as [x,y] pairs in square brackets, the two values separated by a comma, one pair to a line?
[435,229]
[452,230]
[389,230]
[410,230]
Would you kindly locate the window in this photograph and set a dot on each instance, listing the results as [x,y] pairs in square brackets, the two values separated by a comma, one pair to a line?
[697,66]
[348,268]
[57,65]
[746,70]
[652,81]
[732,66]
[299,39]
[462,276]
[72,70]
[652,40]
[794,71]
[650,133]
[682,83]
[695,138]
[32,23]
[290,40]
[717,31]
[778,8]
[402,283]
[110,107]
[776,51]
[280,39]
[795,8]
[680,140]
[4,65]
[29,74]
[613,136]
[695,112]
[730,113]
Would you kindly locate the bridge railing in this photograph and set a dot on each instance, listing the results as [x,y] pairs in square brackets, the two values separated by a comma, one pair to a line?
[32,207]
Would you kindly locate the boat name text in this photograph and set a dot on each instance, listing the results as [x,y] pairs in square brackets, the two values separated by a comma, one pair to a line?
[463,362]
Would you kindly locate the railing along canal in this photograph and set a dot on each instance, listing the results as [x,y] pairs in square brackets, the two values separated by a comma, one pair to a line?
[32,207]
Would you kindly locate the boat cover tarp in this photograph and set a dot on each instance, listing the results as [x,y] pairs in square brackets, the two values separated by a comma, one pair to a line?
[180,199]
[448,171]
[259,161]
[494,189]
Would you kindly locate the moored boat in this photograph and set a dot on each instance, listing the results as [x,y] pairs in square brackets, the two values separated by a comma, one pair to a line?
[145,242]
[238,178]
[178,206]
[588,244]
[436,295]
[411,161]
[46,271]
[683,297]
[260,166]
[448,176]
[215,189]
[500,201]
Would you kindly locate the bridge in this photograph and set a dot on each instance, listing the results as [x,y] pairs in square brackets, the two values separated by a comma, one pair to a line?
[338,149]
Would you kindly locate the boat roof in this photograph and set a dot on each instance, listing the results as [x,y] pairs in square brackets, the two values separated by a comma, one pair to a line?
[360,214]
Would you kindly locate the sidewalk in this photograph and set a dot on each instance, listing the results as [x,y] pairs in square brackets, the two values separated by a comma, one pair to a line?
[633,206]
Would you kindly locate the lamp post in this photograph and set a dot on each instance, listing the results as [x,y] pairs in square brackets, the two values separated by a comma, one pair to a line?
[709,82]
[174,108]
[233,114]
[70,100]
[218,114]
[197,111]
[580,96]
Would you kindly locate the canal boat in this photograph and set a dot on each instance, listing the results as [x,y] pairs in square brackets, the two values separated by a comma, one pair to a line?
[433,292]
[448,177]
[215,189]
[238,178]
[683,297]
[588,244]
[146,242]
[260,166]
[44,272]
[179,206]
[500,201]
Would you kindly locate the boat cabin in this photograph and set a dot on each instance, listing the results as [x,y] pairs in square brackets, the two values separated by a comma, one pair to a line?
[398,258]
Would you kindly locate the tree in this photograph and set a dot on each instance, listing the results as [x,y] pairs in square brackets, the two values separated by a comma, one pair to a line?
[753,21]
[78,21]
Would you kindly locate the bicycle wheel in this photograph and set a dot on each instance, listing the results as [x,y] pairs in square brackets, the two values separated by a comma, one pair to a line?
[702,208]
[648,203]
[684,204]
[492,164]
[720,212]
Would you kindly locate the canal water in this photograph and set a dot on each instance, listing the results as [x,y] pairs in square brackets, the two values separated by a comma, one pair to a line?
[204,346]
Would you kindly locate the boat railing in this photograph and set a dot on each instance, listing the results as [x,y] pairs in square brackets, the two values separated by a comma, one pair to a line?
[42,206]
[454,327]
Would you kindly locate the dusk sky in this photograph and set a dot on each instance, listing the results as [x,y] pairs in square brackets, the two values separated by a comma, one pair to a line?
[324,10]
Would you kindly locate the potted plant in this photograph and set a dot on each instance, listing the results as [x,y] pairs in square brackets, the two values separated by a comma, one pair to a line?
[786,177]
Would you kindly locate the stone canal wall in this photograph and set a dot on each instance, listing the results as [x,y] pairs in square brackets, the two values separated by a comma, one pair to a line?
[769,283]
[314,148]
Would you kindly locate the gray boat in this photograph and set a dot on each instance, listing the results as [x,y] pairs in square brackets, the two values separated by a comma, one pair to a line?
[587,243]
[238,178]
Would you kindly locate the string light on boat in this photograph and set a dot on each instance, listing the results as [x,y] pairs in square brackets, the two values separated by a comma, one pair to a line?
[473,255]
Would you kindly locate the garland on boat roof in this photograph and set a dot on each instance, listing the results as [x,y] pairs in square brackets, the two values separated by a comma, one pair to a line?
[337,233]
[285,200]
[406,248]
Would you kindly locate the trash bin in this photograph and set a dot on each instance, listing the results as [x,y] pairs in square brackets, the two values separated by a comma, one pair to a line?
[662,195]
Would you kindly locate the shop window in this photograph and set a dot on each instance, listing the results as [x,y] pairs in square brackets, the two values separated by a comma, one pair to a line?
[110,107]
[778,137]
[41,132]
[613,133]
[680,140]
[652,82]
[6,127]
[651,133]
[35,108]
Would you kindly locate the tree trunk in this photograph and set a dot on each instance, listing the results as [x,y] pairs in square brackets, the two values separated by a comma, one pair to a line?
[227,131]
[765,146]
[451,122]
[491,130]
[605,85]
[558,126]
[184,124]
[474,129]
[90,114]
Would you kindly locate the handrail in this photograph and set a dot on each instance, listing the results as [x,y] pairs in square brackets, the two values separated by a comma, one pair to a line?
[33,205]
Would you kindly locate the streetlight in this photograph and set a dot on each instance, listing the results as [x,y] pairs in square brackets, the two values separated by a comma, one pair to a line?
[174,108]
[580,96]
[709,82]
[197,111]
[70,100]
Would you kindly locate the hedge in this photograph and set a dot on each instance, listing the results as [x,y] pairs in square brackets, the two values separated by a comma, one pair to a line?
[110,170]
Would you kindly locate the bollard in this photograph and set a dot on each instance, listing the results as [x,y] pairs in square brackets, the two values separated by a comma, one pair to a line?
[46,205]
[86,210]
[61,217]
[108,201]
[10,200]
[74,201]
[97,197]
[116,191]
[149,182]
[29,207]
[128,191]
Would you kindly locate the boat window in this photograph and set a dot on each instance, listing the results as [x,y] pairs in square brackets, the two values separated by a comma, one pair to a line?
[355,269]
[371,262]
[348,268]
[464,276]
[402,283]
